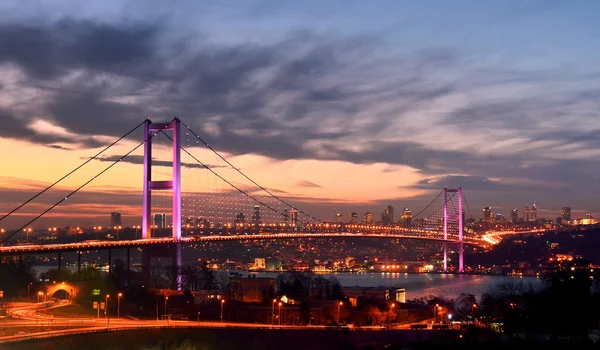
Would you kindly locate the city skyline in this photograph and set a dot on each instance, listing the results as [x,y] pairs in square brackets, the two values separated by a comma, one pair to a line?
[332,110]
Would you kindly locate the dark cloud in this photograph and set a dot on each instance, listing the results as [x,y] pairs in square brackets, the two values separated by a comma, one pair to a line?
[59,147]
[305,183]
[137,159]
[472,183]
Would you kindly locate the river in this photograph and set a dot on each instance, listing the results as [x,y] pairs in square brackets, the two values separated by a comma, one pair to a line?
[416,285]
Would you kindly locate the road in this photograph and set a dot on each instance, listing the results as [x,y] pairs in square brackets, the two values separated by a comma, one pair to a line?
[26,315]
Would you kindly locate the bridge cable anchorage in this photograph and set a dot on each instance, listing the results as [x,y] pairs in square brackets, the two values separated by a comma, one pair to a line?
[428,205]
[71,172]
[7,237]
[248,178]
[227,181]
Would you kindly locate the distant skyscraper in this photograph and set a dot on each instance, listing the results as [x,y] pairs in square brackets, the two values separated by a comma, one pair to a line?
[487,214]
[526,213]
[387,217]
[286,216]
[406,218]
[565,214]
[115,219]
[339,218]
[160,220]
[533,213]
[368,218]
[240,218]
[514,215]
[294,217]
[354,218]
[256,215]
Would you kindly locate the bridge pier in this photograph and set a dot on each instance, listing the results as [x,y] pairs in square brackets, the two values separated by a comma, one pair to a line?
[172,251]
[59,260]
[445,257]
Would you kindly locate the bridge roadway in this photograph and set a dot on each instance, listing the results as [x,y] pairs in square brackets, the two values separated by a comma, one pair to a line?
[99,245]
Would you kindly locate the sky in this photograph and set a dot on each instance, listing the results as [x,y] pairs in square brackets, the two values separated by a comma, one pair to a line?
[336,105]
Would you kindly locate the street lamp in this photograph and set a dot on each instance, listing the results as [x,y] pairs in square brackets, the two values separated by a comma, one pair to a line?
[222,304]
[280,303]
[29,285]
[166,314]
[435,309]
[2,231]
[117,228]
[136,230]
[106,306]
[273,312]
[119,305]
[39,295]
[338,315]
[27,232]
[392,309]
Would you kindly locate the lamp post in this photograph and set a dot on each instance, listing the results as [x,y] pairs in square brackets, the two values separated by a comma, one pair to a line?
[338,315]
[166,300]
[27,232]
[2,231]
[435,309]
[119,305]
[106,306]
[273,312]
[117,228]
[29,285]
[393,310]
[280,303]
[39,295]
[222,304]
[136,230]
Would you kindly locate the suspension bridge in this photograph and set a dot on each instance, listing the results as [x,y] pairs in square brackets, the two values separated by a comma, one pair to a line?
[217,201]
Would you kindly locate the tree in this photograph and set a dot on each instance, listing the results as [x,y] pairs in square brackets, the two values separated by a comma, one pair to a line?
[207,277]
[191,278]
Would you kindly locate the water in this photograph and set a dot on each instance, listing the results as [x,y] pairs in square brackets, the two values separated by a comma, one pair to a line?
[416,285]
[422,285]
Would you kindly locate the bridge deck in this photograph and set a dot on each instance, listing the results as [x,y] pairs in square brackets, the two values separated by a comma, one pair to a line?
[99,245]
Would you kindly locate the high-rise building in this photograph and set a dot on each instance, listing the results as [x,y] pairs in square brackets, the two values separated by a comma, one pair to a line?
[387,217]
[115,219]
[514,215]
[526,213]
[368,218]
[406,218]
[354,218]
[533,213]
[256,215]
[160,220]
[487,214]
[565,214]
[294,217]
[240,218]
[339,218]
[286,216]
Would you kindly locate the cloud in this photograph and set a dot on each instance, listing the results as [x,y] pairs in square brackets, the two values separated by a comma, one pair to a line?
[472,183]
[305,183]
[59,147]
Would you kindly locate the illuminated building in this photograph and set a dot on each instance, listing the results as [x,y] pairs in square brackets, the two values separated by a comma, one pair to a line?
[240,218]
[339,218]
[115,219]
[354,218]
[514,215]
[487,214]
[387,217]
[406,218]
[526,213]
[565,214]
[368,218]
[294,217]
[533,213]
[286,216]
[256,215]
[160,220]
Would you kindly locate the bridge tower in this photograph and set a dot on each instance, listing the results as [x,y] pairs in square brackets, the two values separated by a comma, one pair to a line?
[453,223]
[174,185]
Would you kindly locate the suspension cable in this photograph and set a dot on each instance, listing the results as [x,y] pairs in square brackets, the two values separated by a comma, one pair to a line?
[248,178]
[428,205]
[227,181]
[82,186]
[71,172]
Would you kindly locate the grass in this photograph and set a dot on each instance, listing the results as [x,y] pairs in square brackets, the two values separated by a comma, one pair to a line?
[73,310]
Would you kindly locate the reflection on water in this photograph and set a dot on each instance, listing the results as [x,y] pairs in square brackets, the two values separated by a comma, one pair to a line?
[416,285]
